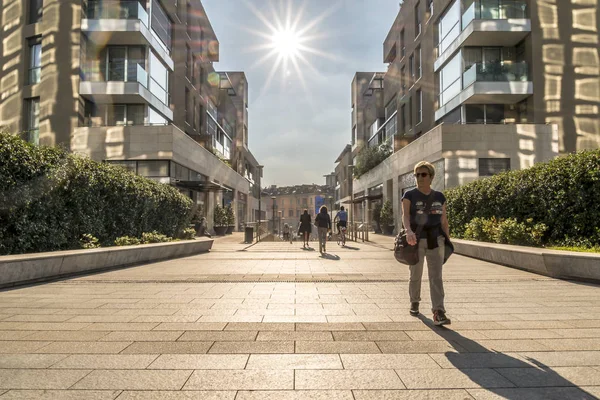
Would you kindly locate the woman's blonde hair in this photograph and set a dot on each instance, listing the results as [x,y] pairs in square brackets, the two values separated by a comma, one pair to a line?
[425,164]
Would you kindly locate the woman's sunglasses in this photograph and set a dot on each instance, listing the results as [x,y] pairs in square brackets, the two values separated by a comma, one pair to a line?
[422,174]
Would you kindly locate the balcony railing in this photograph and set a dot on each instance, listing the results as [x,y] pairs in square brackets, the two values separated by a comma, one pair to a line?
[496,72]
[385,133]
[116,9]
[504,9]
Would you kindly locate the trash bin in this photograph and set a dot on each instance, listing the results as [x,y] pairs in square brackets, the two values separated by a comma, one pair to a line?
[248,234]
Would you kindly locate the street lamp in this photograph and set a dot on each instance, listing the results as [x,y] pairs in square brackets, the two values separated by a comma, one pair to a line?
[350,184]
[279,216]
[273,212]
[259,167]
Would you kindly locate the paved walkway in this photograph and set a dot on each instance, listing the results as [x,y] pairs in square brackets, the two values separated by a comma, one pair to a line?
[274,321]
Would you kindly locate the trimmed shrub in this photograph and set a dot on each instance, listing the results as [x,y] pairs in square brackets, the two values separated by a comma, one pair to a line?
[49,199]
[126,241]
[154,237]
[88,241]
[188,234]
[505,231]
[561,194]
[370,157]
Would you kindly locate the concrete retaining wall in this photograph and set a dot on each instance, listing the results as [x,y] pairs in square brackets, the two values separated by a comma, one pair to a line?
[28,268]
[554,263]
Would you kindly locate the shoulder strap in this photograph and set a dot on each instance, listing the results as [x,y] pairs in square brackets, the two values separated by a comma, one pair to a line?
[426,211]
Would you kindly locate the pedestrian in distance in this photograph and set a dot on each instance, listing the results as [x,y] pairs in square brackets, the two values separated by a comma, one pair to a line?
[305,227]
[426,207]
[323,223]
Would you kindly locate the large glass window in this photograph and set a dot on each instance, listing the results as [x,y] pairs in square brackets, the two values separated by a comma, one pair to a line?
[450,79]
[35,60]
[155,118]
[35,10]
[153,168]
[391,107]
[161,24]
[32,120]
[449,26]
[402,45]
[159,82]
[492,166]
[116,63]
[417,19]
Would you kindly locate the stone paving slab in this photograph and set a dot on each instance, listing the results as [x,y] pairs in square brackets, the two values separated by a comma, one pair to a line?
[276,322]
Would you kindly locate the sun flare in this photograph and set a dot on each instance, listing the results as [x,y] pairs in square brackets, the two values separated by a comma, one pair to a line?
[286,42]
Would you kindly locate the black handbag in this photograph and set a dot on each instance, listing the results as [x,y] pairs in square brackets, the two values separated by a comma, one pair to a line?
[404,252]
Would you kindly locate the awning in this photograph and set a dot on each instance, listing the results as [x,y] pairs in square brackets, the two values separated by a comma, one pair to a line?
[201,186]
[360,199]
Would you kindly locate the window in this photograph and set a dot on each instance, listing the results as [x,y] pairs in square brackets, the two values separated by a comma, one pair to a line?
[188,62]
[35,61]
[35,11]
[493,166]
[161,24]
[418,63]
[187,106]
[403,79]
[159,79]
[402,45]
[419,106]
[153,168]
[125,114]
[404,125]
[429,9]
[189,20]
[155,118]
[116,63]
[32,120]
[410,110]
[417,20]
[449,27]
[194,114]
[194,69]
[411,68]
[391,107]
[290,213]
[450,79]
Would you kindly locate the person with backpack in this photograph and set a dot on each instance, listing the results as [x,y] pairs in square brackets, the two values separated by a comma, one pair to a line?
[323,223]
[424,213]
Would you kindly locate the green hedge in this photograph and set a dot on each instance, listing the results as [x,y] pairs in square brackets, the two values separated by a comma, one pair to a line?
[370,157]
[562,194]
[50,199]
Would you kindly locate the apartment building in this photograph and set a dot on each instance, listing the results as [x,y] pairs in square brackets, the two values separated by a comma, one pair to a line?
[131,82]
[476,87]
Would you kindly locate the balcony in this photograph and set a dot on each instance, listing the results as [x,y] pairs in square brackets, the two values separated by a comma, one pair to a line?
[486,83]
[135,89]
[385,133]
[503,25]
[122,22]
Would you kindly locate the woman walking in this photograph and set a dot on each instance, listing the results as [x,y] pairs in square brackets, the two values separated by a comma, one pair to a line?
[424,210]
[323,222]
[305,227]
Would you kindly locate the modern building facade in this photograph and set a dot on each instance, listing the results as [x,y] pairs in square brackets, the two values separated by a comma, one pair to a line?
[131,82]
[476,87]
[287,203]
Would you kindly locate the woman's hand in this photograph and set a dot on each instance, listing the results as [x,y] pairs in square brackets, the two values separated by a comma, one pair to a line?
[411,238]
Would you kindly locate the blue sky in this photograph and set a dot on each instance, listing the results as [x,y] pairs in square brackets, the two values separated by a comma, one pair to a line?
[297,130]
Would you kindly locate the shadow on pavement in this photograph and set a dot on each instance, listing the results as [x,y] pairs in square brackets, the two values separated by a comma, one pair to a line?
[308,248]
[350,247]
[487,368]
[330,256]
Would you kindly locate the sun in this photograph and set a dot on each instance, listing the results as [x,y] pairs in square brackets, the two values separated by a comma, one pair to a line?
[286,42]
[289,40]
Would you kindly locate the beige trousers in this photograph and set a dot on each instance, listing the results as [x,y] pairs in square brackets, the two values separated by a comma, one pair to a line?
[435,260]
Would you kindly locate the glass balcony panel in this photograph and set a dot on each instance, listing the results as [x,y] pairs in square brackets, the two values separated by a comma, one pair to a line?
[116,9]
[468,16]
[498,72]
[494,9]
[469,76]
